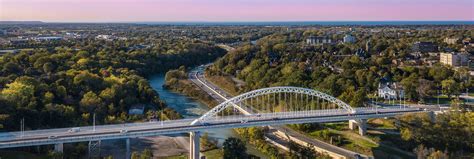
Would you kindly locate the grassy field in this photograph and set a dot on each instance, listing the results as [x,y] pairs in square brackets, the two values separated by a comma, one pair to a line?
[375,143]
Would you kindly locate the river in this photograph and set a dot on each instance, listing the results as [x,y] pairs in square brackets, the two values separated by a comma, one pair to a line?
[191,108]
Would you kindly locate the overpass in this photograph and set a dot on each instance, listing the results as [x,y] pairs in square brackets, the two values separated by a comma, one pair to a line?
[263,107]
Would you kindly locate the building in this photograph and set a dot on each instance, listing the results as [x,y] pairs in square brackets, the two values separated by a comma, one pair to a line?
[424,47]
[349,39]
[454,59]
[137,109]
[389,90]
[3,32]
[452,40]
[314,40]
[361,53]
[18,41]
[48,38]
[2,52]
[106,37]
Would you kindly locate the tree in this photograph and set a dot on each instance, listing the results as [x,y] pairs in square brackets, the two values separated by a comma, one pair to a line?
[450,87]
[90,101]
[146,154]
[409,86]
[19,93]
[234,148]
[207,143]
[135,155]
[425,88]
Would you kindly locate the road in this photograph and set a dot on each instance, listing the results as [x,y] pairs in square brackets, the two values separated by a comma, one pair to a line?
[197,77]
[134,130]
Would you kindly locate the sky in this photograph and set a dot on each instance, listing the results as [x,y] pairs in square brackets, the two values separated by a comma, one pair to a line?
[234,10]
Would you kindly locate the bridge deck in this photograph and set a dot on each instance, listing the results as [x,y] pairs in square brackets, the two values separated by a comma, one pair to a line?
[115,131]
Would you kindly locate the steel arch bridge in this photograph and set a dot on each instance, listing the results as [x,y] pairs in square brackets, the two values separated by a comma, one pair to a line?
[264,107]
[294,98]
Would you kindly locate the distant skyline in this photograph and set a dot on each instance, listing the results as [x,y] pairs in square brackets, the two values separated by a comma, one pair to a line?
[235,10]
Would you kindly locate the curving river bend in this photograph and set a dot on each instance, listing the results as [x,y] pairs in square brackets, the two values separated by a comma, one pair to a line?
[191,108]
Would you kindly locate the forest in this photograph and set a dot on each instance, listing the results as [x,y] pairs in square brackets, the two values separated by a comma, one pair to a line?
[64,87]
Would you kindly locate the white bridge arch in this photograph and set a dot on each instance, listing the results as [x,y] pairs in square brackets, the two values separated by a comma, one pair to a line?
[271,90]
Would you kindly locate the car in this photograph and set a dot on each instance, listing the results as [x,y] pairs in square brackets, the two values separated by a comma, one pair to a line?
[74,130]
[123,131]
[275,118]
[52,137]
[244,121]
[357,156]
[206,124]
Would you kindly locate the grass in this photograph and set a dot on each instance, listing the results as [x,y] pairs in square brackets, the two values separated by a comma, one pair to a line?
[381,123]
[216,153]
[211,154]
[376,144]
[225,82]
[337,126]
[388,152]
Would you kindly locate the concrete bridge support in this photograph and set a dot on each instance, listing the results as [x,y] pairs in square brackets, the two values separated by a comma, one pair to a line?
[194,145]
[59,147]
[432,116]
[361,124]
[127,148]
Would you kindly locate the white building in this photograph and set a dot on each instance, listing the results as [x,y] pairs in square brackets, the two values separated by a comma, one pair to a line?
[349,39]
[452,40]
[454,59]
[106,37]
[313,40]
[390,91]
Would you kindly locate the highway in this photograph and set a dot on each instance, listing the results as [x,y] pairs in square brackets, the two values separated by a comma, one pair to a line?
[133,130]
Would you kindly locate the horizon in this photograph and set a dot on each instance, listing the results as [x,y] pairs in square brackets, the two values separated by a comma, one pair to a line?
[234,11]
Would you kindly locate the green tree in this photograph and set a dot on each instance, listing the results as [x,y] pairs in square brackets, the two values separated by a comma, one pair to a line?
[450,87]
[207,143]
[234,148]
[146,154]
[90,101]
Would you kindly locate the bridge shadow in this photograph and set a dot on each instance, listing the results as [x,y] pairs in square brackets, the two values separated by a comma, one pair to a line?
[161,146]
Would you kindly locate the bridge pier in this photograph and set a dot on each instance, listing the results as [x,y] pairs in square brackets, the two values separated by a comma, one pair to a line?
[361,124]
[432,116]
[59,147]
[194,145]
[127,148]
[94,148]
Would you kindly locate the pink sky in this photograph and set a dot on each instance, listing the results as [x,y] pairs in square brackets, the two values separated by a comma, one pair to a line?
[235,10]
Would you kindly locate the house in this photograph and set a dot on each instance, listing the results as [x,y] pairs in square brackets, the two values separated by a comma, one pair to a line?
[390,90]
[137,109]
[314,40]
[424,47]
[452,40]
[361,53]
[349,39]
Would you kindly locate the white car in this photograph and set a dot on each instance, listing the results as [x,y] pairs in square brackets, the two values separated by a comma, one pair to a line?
[74,130]
[123,131]
[52,137]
